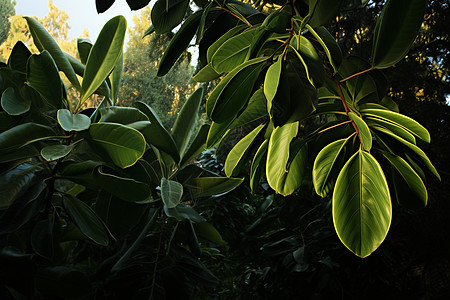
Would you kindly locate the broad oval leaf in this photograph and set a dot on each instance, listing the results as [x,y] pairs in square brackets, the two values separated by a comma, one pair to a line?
[123,144]
[171,192]
[363,131]
[167,14]
[24,134]
[225,37]
[103,5]
[179,43]
[55,152]
[122,115]
[329,45]
[44,41]
[103,56]
[13,103]
[86,219]
[137,4]
[237,155]
[206,74]
[322,11]
[72,122]
[19,56]
[399,120]
[327,165]
[43,76]
[212,186]
[361,205]
[409,187]
[396,30]
[272,80]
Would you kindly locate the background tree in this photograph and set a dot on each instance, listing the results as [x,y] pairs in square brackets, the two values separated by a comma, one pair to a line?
[6,12]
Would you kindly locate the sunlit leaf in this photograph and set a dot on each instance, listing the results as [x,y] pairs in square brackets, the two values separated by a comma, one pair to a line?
[72,122]
[171,192]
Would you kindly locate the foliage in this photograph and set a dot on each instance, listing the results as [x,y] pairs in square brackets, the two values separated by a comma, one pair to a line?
[107,180]
[6,12]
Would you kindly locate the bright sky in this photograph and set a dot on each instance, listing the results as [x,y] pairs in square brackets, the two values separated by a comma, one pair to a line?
[82,14]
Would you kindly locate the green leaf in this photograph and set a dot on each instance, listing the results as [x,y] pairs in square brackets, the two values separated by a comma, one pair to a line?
[123,144]
[15,182]
[73,122]
[55,152]
[171,192]
[206,74]
[363,131]
[103,56]
[409,187]
[327,165]
[255,110]
[156,134]
[44,41]
[86,220]
[395,31]
[115,78]
[329,45]
[312,62]
[43,76]
[185,121]
[167,14]
[271,81]
[122,115]
[236,93]
[13,103]
[322,11]
[19,56]
[137,4]
[222,39]
[233,52]
[197,146]
[362,209]
[84,47]
[399,120]
[237,155]
[208,232]
[183,212]
[179,43]
[24,134]
[257,166]
[210,186]
[398,130]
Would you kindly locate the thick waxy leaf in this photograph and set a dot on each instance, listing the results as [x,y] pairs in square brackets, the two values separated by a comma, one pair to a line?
[156,134]
[234,96]
[197,146]
[13,103]
[103,5]
[225,37]
[363,131]
[209,233]
[206,74]
[84,48]
[167,14]
[73,122]
[311,60]
[15,182]
[184,212]
[62,282]
[186,119]
[255,110]
[55,152]
[24,134]
[322,11]
[233,52]
[137,4]
[43,76]
[257,167]
[44,41]
[362,208]
[329,45]
[171,192]
[86,219]
[236,157]
[19,56]
[123,144]
[409,187]
[210,186]
[398,130]
[115,78]
[179,43]
[103,56]
[122,115]
[327,165]
[396,29]
[399,120]
[271,81]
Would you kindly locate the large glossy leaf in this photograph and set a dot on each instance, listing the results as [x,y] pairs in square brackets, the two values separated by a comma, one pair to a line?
[122,115]
[167,14]
[24,134]
[361,205]
[15,182]
[222,39]
[398,130]
[44,41]
[123,144]
[72,122]
[363,131]
[19,56]
[103,5]
[13,103]
[399,120]
[156,134]
[395,31]
[409,187]
[311,60]
[55,152]
[115,78]
[84,47]
[86,219]
[233,52]
[255,110]
[271,81]
[43,76]
[327,165]
[137,4]
[329,45]
[206,74]
[322,11]
[103,56]
[197,146]
[186,119]
[236,156]
[171,192]
[179,43]
[210,186]
[236,93]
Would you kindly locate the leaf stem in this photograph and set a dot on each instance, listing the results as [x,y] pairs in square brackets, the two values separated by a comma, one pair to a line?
[356,74]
